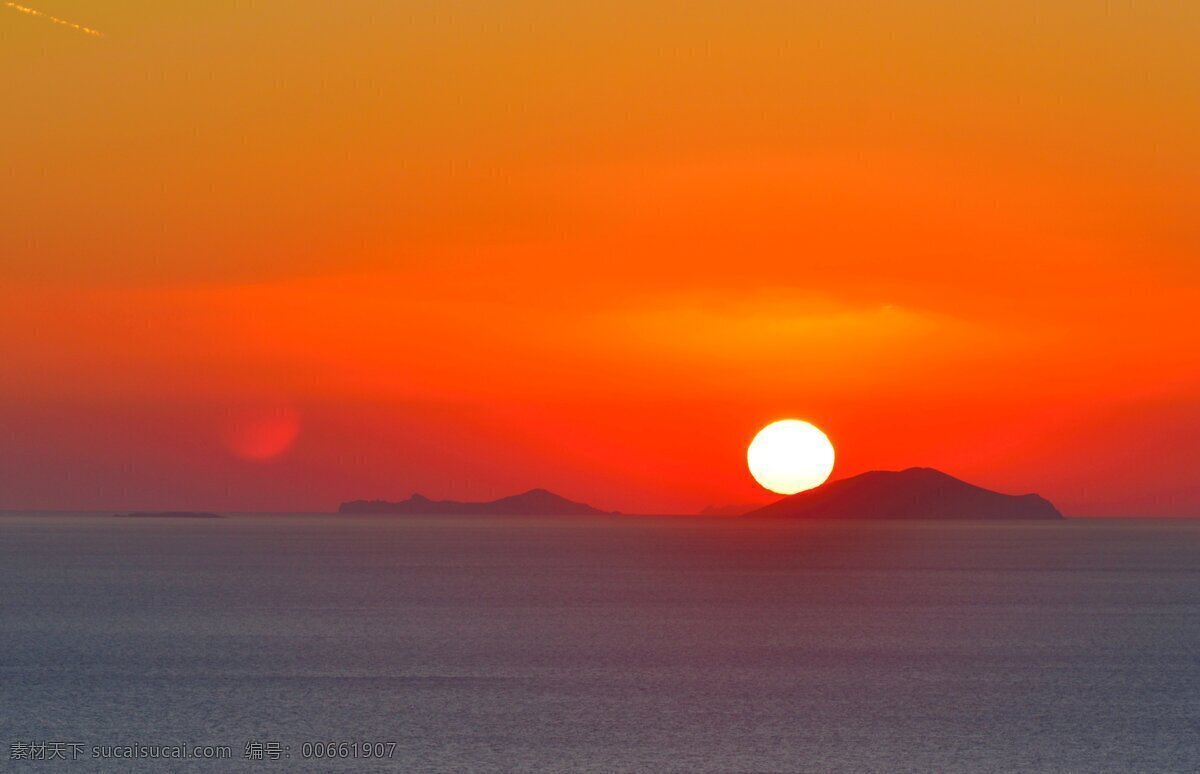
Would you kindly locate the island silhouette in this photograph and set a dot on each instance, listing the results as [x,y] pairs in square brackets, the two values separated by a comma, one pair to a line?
[915,493]
[168,515]
[535,502]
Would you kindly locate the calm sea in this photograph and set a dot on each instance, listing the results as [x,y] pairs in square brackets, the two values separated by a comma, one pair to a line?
[619,644]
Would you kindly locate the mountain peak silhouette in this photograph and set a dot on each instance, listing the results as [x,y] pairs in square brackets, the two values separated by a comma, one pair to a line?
[914,493]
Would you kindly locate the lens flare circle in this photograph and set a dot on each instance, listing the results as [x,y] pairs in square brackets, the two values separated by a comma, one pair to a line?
[261,436]
[790,456]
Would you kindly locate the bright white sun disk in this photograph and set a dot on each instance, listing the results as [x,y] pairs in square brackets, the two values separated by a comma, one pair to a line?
[790,456]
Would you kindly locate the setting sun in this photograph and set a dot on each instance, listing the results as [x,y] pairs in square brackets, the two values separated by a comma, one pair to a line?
[790,456]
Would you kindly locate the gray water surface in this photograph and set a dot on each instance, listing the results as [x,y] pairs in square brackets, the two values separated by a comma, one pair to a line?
[614,644]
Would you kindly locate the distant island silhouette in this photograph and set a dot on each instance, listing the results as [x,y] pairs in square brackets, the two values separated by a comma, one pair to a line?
[168,515]
[915,493]
[535,502]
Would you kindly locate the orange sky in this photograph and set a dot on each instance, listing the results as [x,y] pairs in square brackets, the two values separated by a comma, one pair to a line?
[269,255]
